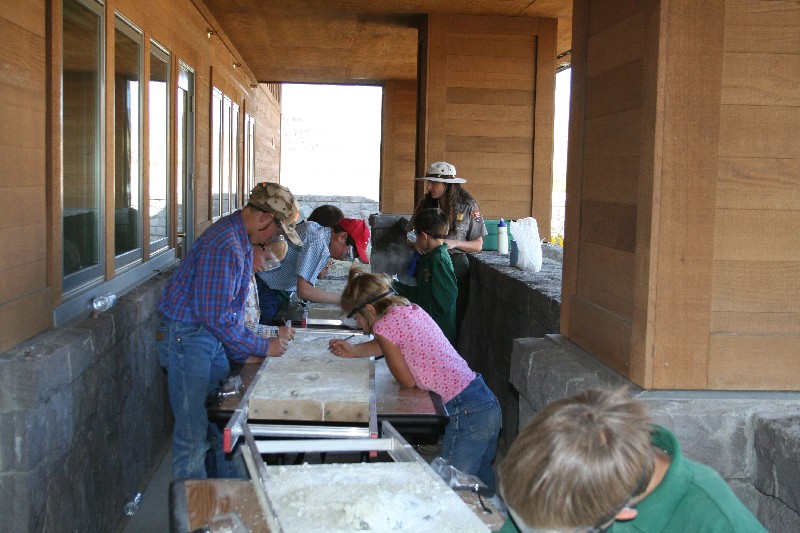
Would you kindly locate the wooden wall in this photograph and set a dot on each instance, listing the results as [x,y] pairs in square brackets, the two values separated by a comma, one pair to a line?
[30,184]
[680,259]
[398,147]
[479,86]
[25,298]
[755,298]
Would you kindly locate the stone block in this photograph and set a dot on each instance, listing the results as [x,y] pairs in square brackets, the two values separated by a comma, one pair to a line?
[775,516]
[22,445]
[21,504]
[546,369]
[712,432]
[101,329]
[777,458]
[29,373]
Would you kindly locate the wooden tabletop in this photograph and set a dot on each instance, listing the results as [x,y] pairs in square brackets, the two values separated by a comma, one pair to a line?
[193,502]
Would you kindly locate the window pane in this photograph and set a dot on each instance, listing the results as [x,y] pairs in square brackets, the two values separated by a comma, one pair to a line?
[234,157]
[226,157]
[82,122]
[158,108]
[216,135]
[250,156]
[246,140]
[181,104]
[127,133]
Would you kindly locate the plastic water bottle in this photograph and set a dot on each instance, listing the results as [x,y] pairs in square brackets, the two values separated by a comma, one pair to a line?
[104,303]
[133,506]
[502,237]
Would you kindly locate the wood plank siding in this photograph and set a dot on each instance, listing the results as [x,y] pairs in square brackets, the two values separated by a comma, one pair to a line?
[480,84]
[398,143]
[755,303]
[682,268]
[25,296]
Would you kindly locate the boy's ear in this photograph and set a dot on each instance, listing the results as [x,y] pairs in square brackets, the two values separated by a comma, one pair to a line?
[627,513]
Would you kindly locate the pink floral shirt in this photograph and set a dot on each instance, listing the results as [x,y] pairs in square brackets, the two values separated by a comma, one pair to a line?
[434,363]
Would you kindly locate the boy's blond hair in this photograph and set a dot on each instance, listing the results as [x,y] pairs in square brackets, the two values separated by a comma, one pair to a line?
[579,461]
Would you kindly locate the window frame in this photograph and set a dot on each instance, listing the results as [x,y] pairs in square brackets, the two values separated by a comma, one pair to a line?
[159,245]
[133,256]
[76,281]
[249,137]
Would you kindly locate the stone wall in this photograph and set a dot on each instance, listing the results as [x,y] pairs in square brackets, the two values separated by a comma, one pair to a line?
[506,303]
[751,438]
[83,411]
[351,206]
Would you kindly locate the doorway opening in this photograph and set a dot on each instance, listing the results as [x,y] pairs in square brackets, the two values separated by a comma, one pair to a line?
[331,139]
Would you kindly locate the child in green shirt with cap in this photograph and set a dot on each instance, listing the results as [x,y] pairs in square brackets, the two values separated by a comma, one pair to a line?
[436,290]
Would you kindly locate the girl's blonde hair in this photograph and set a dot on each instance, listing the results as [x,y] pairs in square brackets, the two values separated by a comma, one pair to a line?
[364,287]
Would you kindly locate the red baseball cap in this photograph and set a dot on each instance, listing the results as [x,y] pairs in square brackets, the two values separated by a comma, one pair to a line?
[359,232]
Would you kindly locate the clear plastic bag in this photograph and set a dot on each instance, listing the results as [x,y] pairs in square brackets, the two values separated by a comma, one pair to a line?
[529,246]
[458,480]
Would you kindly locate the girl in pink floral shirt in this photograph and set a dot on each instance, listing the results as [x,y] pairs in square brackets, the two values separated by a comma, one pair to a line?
[419,355]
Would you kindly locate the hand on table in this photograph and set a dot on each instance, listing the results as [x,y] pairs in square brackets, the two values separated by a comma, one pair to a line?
[325,269]
[341,348]
[277,346]
[286,332]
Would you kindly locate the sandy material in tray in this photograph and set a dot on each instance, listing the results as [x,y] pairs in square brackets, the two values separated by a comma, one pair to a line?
[378,497]
[310,383]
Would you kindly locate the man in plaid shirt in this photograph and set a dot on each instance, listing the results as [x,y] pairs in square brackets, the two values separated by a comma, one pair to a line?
[203,308]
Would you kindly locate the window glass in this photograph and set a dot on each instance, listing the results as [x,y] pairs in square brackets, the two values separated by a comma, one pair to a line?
[82,141]
[127,141]
[226,156]
[249,159]
[158,109]
[216,139]
[234,157]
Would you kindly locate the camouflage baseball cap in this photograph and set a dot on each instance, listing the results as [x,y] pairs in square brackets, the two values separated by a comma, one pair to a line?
[274,198]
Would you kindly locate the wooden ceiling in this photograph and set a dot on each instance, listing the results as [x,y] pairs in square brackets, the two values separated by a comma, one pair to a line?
[352,41]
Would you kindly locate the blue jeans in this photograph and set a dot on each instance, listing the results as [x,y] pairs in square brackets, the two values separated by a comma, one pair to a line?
[470,437]
[195,362]
[269,300]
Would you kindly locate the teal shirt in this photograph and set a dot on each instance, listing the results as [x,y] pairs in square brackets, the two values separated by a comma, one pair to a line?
[691,497]
[436,289]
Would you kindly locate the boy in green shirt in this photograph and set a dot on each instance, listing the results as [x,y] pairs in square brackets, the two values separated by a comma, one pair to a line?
[595,462]
[436,290]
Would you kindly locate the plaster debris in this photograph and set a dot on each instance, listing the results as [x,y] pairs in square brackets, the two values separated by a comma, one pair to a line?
[377,497]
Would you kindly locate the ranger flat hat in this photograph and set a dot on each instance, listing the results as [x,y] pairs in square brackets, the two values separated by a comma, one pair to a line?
[442,172]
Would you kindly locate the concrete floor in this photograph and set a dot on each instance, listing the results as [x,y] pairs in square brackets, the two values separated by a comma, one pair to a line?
[153,516]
